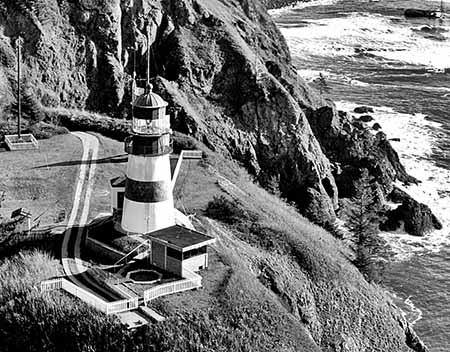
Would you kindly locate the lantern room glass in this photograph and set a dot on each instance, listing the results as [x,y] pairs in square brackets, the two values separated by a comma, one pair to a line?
[151,127]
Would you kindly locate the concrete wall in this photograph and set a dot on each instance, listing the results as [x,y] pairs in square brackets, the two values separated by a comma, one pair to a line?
[194,263]
[103,251]
[174,266]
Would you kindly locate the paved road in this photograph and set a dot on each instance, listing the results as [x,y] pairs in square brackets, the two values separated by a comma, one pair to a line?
[73,266]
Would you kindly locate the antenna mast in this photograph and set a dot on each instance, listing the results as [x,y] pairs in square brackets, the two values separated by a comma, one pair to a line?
[19,42]
[148,60]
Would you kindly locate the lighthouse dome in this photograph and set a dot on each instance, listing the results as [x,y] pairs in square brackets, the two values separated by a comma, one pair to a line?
[149,100]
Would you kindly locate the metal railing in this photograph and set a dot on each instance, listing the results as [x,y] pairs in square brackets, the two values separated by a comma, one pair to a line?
[90,298]
[190,282]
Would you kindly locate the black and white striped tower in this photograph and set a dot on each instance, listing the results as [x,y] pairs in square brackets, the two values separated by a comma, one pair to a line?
[148,202]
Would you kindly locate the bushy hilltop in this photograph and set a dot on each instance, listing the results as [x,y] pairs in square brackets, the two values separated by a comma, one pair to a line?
[226,71]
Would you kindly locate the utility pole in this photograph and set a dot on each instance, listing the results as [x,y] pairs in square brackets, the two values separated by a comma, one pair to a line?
[19,42]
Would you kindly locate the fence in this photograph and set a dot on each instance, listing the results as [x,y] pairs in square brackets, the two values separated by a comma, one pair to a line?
[191,281]
[53,284]
[90,298]
[122,306]
[27,140]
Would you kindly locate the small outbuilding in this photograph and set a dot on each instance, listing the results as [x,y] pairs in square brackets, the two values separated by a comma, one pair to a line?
[179,250]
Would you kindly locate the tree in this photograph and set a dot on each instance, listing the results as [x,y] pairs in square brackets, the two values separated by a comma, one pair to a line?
[363,221]
[31,108]
[322,84]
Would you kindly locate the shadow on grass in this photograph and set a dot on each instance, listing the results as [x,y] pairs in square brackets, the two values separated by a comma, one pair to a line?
[116,159]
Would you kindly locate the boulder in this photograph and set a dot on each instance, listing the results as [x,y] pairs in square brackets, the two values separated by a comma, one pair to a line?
[363,110]
[417,217]
[366,118]
[397,195]
[376,126]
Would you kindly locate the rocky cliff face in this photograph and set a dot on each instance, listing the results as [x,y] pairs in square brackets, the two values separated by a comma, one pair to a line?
[226,71]
[222,65]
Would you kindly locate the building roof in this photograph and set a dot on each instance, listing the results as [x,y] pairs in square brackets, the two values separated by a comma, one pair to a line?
[181,237]
[118,182]
[149,100]
[21,212]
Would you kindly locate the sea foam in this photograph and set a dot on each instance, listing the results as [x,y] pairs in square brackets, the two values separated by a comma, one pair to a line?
[372,36]
[300,5]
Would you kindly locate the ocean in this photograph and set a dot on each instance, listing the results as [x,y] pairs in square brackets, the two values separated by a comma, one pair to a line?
[370,54]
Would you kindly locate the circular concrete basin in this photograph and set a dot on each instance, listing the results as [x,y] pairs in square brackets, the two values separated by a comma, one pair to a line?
[144,276]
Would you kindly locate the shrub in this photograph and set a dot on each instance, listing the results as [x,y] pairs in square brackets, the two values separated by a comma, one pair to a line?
[30,107]
[183,142]
[223,209]
[44,130]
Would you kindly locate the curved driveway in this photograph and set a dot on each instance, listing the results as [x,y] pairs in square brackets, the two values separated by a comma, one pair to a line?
[73,266]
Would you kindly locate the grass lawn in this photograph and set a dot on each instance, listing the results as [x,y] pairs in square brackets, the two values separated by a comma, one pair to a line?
[111,162]
[42,180]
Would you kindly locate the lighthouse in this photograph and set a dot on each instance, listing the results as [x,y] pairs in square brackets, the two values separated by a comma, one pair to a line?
[148,200]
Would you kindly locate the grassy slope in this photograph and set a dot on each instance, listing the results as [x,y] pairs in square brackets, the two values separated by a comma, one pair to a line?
[312,287]
[255,298]
[35,321]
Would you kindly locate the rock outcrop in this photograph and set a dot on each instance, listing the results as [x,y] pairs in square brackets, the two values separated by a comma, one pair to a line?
[417,217]
[350,145]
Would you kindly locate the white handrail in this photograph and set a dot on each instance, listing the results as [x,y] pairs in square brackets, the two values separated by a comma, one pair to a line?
[90,298]
[191,281]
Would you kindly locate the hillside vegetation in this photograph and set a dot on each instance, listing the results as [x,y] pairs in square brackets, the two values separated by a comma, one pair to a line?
[275,282]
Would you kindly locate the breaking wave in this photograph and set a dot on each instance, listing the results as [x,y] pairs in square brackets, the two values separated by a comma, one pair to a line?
[300,5]
[372,37]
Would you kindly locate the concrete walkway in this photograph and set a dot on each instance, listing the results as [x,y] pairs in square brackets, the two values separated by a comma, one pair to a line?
[73,266]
